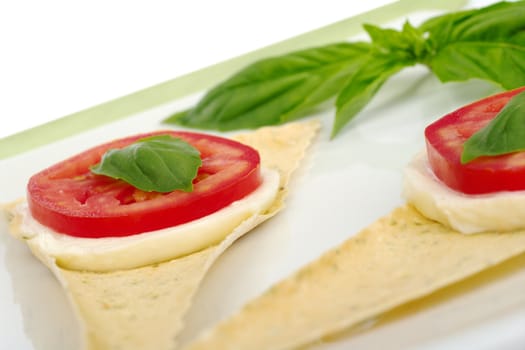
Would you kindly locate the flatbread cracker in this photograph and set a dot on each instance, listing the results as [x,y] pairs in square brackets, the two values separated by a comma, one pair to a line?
[143,308]
[399,258]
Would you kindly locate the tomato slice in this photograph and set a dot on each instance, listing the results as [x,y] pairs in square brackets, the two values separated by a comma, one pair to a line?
[444,144]
[70,199]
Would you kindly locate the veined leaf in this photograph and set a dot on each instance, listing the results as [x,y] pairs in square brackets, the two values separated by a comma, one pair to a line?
[277,89]
[504,134]
[158,163]
[409,40]
[498,22]
[363,86]
[488,44]
[499,62]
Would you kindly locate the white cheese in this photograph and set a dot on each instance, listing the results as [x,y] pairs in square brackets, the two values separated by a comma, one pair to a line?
[501,211]
[113,253]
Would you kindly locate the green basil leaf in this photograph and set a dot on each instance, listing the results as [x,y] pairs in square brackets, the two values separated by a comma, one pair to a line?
[363,86]
[503,20]
[387,39]
[502,135]
[158,163]
[503,63]
[410,41]
[275,90]
[488,43]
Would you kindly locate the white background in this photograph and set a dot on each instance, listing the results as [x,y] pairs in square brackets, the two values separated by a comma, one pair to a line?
[59,57]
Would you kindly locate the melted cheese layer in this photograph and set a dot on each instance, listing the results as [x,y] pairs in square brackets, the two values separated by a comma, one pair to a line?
[116,253]
[502,211]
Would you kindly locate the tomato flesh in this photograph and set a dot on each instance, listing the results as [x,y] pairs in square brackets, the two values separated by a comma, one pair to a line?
[444,143]
[70,199]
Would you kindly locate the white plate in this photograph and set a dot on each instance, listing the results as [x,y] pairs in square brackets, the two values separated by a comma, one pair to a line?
[342,186]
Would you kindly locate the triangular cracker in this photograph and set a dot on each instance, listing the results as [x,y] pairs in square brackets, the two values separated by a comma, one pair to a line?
[399,258]
[143,308]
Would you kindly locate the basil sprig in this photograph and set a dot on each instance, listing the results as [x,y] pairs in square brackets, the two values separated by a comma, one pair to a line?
[159,163]
[486,43]
[502,135]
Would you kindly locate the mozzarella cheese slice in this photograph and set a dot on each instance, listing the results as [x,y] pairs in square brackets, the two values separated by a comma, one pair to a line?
[118,253]
[502,211]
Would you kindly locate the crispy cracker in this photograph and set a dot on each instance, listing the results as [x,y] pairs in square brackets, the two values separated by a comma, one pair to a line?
[143,308]
[401,257]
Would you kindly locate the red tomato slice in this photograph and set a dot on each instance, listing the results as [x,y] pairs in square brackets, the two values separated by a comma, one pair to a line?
[444,143]
[70,199]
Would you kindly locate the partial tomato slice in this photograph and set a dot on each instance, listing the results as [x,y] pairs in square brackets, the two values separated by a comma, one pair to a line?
[70,199]
[444,143]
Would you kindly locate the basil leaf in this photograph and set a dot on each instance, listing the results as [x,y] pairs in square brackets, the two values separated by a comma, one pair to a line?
[410,41]
[499,62]
[488,44]
[158,163]
[503,20]
[363,86]
[275,90]
[502,135]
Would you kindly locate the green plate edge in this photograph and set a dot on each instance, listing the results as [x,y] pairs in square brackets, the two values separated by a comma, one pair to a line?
[199,80]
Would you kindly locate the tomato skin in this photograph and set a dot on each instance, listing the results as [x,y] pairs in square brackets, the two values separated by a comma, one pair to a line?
[444,145]
[70,199]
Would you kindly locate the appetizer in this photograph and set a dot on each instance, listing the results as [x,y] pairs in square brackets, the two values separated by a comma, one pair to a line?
[131,258]
[484,194]
[413,251]
[87,221]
